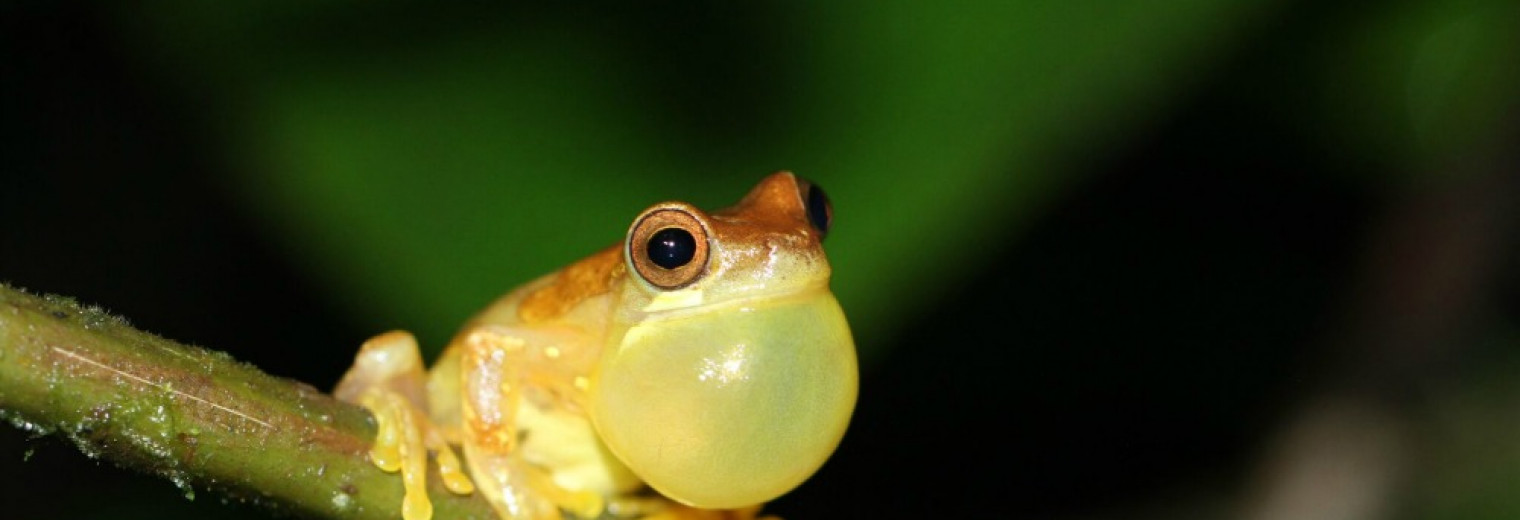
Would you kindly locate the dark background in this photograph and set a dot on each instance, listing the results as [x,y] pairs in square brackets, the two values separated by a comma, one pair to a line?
[1266,248]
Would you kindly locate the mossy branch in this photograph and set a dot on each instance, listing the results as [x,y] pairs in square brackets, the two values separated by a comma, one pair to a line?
[194,416]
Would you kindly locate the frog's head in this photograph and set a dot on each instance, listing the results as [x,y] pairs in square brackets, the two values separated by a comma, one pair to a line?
[730,374]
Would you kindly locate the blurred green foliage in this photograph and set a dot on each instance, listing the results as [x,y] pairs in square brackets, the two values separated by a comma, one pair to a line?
[1421,85]
[425,162]
[424,159]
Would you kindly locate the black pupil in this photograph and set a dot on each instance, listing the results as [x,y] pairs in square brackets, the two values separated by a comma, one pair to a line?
[818,211]
[671,248]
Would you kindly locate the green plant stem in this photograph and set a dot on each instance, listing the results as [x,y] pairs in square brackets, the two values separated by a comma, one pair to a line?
[194,416]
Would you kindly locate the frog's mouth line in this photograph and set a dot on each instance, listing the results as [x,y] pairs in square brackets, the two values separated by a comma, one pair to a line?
[685,303]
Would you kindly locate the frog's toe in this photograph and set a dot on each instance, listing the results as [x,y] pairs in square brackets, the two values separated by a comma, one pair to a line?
[398,446]
[385,452]
[449,468]
[414,507]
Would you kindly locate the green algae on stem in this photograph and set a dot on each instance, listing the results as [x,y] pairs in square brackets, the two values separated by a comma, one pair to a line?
[193,416]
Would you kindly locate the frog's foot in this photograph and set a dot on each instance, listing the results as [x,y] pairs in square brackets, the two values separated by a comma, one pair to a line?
[404,439]
[387,380]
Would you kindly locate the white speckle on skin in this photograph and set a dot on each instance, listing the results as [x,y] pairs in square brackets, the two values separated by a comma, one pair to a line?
[727,367]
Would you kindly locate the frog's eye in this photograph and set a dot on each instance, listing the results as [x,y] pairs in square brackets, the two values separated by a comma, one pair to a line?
[668,248]
[819,212]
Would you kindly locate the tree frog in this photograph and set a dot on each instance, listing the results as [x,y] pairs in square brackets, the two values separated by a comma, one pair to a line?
[696,370]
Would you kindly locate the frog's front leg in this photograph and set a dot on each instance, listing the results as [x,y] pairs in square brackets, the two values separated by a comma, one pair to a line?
[387,379]
[498,363]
